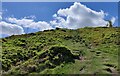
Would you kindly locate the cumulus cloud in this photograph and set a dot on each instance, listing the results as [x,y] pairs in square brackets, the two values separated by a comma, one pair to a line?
[30,17]
[78,16]
[10,29]
[0,16]
[29,23]
[113,20]
[22,22]
[41,25]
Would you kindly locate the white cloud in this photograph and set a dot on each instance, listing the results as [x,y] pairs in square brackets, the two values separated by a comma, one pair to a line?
[22,22]
[40,25]
[0,16]
[113,19]
[10,29]
[77,16]
[30,17]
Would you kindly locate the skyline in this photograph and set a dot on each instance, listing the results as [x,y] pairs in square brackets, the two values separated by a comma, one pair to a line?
[61,1]
[40,17]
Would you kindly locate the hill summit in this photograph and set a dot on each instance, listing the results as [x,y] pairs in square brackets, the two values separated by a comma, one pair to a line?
[62,51]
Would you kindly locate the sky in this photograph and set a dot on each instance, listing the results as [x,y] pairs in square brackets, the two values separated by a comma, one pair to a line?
[27,17]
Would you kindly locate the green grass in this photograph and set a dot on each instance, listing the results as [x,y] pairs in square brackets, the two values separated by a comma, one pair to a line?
[32,53]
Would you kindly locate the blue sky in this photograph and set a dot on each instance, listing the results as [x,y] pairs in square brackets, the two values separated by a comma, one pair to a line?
[44,11]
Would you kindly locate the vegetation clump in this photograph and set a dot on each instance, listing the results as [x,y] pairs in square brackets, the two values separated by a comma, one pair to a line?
[62,51]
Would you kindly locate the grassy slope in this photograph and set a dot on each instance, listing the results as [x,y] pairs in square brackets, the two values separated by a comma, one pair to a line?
[22,53]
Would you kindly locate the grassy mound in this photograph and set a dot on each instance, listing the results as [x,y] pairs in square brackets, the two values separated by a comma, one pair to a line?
[62,51]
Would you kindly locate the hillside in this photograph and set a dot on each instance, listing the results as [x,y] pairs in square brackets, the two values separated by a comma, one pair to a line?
[62,51]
